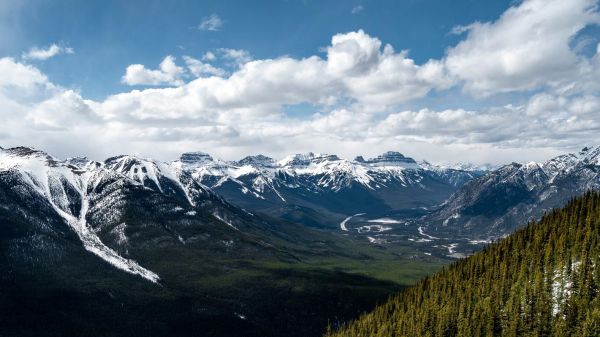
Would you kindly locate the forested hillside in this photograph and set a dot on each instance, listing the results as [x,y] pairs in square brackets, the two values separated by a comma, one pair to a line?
[541,281]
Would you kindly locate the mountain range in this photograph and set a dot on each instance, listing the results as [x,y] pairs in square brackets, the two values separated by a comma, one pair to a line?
[321,190]
[495,204]
[102,246]
[330,236]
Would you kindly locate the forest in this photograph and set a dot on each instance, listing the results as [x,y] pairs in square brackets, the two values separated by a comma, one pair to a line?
[543,280]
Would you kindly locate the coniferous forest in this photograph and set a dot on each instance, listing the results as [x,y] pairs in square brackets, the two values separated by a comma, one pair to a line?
[543,280]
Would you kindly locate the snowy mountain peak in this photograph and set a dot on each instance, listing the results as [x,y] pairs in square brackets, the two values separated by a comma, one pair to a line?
[392,158]
[568,162]
[26,157]
[195,157]
[584,151]
[257,161]
[80,162]
[590,155]
[23,151]
[306,159]
[359,159]
[144,171]
[459,166]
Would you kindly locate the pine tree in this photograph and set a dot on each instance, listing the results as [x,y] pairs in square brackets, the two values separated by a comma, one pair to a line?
[543,280]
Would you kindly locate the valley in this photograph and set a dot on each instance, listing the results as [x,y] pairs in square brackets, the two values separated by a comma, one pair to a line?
[251,248]
[541,280]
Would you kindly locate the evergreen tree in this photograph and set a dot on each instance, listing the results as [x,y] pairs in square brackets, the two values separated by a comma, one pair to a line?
[541,281]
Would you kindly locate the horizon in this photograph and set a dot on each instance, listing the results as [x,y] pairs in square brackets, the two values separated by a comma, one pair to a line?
[353,158]
[486,83]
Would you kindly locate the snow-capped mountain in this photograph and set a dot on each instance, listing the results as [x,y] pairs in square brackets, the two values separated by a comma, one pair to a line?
[496,203]
[131,240]
[116,209]
[67,190]
[302,186]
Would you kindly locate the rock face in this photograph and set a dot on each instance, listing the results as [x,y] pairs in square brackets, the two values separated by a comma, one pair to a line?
[495,204]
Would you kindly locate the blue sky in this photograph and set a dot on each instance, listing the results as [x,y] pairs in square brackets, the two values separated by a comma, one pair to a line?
[480,81]
[110,35]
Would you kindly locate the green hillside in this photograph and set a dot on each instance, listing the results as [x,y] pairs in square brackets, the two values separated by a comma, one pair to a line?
[543,280]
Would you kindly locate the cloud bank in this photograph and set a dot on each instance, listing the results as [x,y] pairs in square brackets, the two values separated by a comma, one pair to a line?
[357,91]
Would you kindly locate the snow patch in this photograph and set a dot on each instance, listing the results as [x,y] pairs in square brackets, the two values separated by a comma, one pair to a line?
[373,228]
[376,241]
[343,223]
[426,235]
[385,220]
[225,221]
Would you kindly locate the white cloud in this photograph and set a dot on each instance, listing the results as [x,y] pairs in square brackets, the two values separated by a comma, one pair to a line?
[238,56]
[235,116]
[168,73]
[44,54]
[362,89]
[62,111]
[357,9]
[209,56]
[211,23]
[526,48]
[236,119]
[372,75]
[199,68]
[356,69]
[459,30]
[19,75]
[354,53]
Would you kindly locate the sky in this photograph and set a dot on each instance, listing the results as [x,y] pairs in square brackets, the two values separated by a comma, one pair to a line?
[446,81]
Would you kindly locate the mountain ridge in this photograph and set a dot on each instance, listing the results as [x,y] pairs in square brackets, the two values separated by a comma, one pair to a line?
[315,189]
[493,205]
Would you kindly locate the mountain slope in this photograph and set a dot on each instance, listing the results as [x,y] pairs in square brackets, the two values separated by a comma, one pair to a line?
[113,207]
[133,247]
[541,281]
[495,204]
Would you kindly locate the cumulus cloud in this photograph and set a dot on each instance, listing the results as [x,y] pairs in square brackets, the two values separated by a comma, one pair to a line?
[362,91]
[62,111]
[209,56]
[357,68]
[211,23]
[371,74]
[237,56]
[164,122]
[49,52]
[199,68]
[19,75]
[167,73]
[526,48]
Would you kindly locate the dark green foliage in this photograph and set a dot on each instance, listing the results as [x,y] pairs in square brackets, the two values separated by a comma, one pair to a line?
[543,280]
